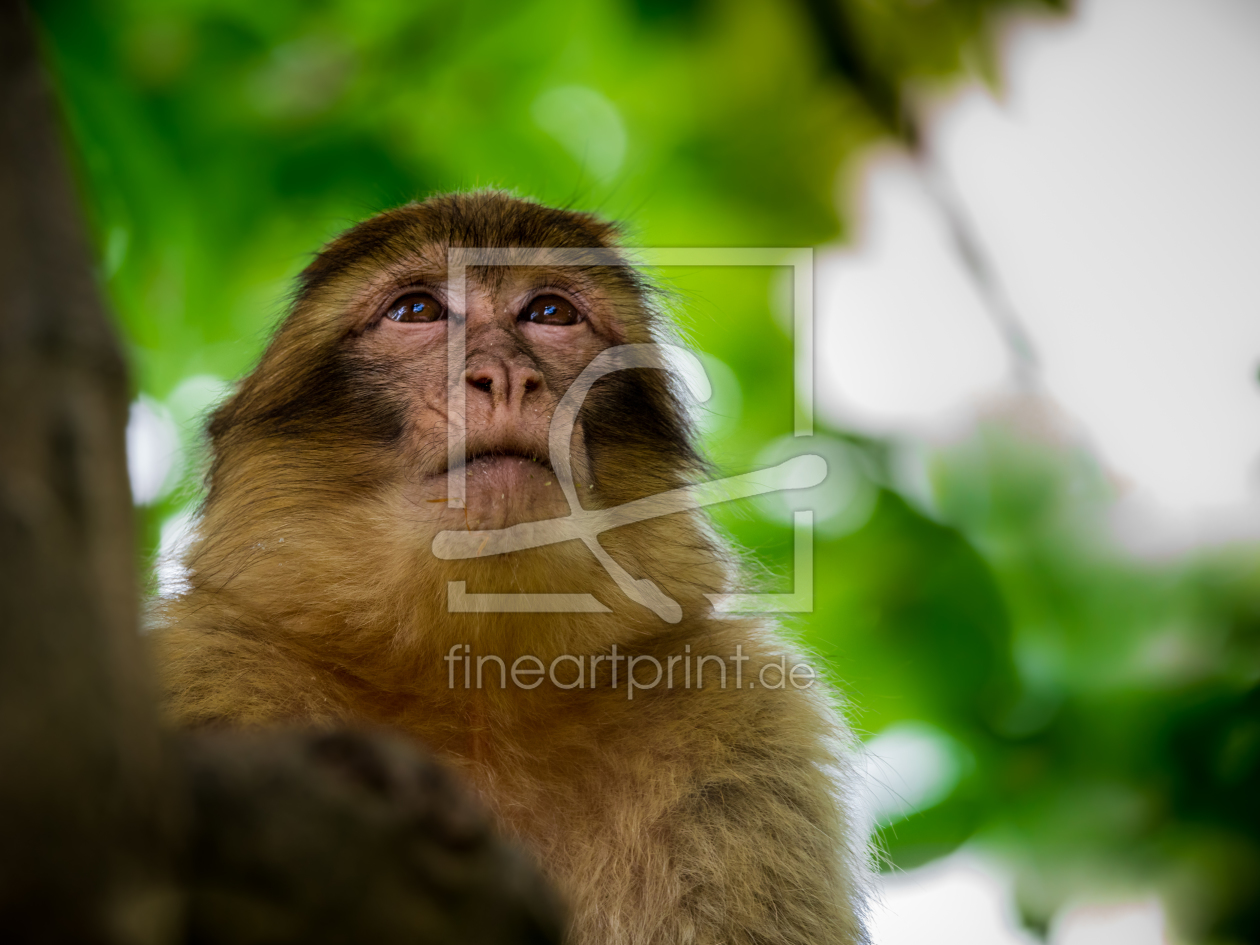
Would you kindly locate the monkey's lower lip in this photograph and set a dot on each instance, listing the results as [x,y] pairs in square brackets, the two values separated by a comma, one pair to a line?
[510,489]
[486,462]
[506,473]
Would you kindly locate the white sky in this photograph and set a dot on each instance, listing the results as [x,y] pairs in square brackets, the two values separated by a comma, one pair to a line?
[967,899]
[1116,186]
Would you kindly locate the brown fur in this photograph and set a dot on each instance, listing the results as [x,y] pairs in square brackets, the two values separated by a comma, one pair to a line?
[705,815]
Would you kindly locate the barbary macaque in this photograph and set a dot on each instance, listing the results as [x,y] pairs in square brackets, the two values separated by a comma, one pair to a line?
[675,770]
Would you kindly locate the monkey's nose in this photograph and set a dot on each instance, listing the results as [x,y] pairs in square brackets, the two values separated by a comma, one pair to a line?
[504,381]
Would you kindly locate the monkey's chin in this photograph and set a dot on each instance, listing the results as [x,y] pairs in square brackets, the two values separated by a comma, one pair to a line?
[508,490]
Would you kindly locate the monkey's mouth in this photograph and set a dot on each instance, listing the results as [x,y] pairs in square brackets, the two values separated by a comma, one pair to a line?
[504,487]
[478,461]
[505,474]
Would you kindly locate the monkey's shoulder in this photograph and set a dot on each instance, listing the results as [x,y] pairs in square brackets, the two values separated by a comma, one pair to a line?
[224,675]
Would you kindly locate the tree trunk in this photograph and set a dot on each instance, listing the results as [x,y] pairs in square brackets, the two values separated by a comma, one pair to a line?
[87,832]
[109,832]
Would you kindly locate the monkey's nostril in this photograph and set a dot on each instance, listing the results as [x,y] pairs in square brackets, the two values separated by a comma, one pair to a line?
[484,384]
[531,384]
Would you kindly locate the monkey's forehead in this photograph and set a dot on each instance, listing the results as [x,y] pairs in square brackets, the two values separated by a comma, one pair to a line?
[429,235]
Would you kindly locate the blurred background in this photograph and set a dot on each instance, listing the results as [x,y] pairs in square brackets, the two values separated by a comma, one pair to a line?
[1037,325]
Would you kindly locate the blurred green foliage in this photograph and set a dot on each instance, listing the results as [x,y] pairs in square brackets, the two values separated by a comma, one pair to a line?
[1105,713]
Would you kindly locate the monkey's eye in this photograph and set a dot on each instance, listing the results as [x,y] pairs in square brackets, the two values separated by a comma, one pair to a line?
[550,310]
[416,307]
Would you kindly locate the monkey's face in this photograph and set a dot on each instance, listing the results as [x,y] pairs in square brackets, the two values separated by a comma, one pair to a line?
[528,332]
[333,462]
[361,388]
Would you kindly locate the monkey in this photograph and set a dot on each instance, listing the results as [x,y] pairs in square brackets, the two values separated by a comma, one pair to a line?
[694,810]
